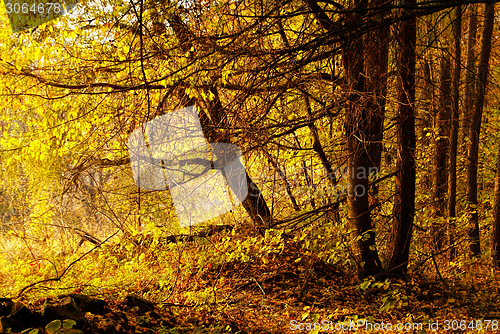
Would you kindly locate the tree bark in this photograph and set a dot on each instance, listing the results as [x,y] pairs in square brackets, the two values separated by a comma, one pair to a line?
[452,168]
[473,153]
[404,201]
[358,133]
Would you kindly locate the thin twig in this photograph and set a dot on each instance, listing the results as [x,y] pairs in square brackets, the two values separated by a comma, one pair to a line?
[259,285]
[29,287]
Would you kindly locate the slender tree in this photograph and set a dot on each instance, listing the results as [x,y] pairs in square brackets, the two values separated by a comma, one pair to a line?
[452,166]
[495,231]
[442,142]
[376,63]
[470,74]
[427,100]
[473,153]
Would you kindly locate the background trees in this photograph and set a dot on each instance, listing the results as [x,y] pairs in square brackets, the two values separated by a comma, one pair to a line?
[472,157]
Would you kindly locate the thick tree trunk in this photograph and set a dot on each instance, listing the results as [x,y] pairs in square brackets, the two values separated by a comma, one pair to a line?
[452,168]
[256,206]
[441,153]
[358,133]
[470,74]
[254,203]
[472,157]
[404,201]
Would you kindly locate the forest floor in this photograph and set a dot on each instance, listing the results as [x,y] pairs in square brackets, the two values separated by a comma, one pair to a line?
[276,286]
[284,297]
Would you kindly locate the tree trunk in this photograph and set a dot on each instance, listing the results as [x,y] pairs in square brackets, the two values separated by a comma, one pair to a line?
[470,73]
[318,148]
[495,232]
[358,134]
[452,168]
[288,186]
[427,103]
[404,201]
[254,203]
[441,153]
[377,44]
[426,112]
[472,157]
[256,206]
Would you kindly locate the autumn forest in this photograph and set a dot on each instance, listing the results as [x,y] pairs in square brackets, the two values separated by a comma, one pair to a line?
[254,166]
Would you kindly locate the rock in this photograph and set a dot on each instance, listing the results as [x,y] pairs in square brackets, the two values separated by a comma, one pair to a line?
[106,326]
[8,325]
[89,304]
[4,310]
[63,308]
[6,306]
[26,318]
[71,331]
[144,305]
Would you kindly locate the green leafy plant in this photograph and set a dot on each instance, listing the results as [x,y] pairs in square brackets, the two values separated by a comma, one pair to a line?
[65,326]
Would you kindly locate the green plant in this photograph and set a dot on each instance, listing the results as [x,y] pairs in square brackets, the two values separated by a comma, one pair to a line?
[65,326]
